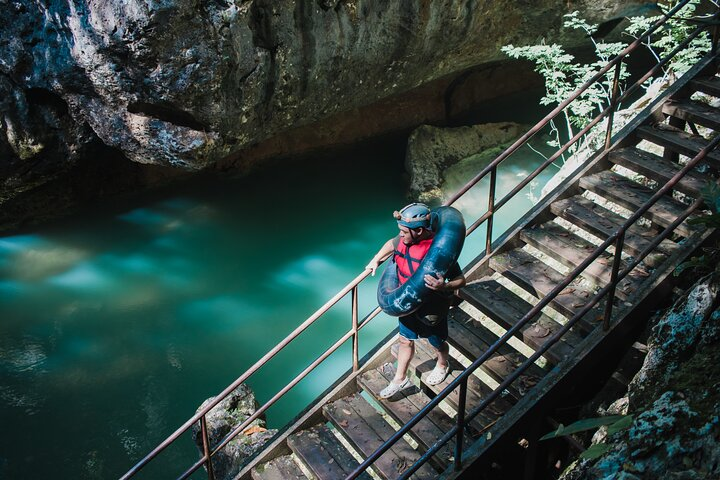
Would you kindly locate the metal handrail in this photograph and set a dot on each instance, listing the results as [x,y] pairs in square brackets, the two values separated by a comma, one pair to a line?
[200,415]
[608,111]
[524,139]
[609,290]
[352,287]
[462,378]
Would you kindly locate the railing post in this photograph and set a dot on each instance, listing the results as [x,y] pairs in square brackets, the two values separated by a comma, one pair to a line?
[460,425]
[492,206]
[491,210]
[206,448]
[715,32]
[613,103]
[355,359]
[610,298]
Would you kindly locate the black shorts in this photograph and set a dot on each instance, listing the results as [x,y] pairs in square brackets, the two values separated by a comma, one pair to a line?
[413,327]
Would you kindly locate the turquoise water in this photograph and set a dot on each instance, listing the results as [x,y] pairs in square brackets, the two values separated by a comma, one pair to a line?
[118,323]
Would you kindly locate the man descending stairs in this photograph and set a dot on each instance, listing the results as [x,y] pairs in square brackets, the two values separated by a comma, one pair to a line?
[529,264]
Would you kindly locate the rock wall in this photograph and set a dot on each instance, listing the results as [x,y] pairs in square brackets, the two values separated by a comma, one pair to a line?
[185,83]
[432,150]
[674,400]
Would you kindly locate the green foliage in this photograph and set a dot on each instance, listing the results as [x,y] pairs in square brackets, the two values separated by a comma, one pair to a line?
[595,451]
[622,424]
[676,30]
[587,424]
[699,264]
[711,196]
[616,423]
[563,75]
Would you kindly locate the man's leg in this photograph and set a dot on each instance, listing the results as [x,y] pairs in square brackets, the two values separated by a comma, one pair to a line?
[405,354]
[406,350]
[442,355]
[442,367]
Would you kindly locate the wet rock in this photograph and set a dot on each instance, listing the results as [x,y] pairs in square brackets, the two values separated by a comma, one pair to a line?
[683,329]
[431,151]
[674,399]
[183,84]
[221,420]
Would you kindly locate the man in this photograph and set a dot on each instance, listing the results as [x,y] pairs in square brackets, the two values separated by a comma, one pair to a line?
[430,319]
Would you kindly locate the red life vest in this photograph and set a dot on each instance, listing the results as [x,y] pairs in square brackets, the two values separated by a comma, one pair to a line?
[408,257]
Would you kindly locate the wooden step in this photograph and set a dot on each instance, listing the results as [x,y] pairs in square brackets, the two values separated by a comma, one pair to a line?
[366,430]
[602,223]
[424,361]
[405,406]
[473,339]
[322,453]
[505,308]
[692,111]
[422,364]
[539,279]
[632,195]
[679,141]
[571,250]
[280,468]
[658,169]
[709,85]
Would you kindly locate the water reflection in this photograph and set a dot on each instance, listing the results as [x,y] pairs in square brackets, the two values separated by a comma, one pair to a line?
[11,289]
[174,357]
[302,277]
[87,277]
[145,217]
[25,356]
[226,311]
[27,402]
[116,327]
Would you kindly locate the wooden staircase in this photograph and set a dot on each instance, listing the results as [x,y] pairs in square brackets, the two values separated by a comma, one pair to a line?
[533,258]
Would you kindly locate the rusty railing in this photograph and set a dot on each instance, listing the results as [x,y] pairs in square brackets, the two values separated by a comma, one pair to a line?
[200,416]
[616,240]
[461,381]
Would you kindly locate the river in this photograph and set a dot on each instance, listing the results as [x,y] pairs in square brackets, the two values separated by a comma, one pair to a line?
[119,321]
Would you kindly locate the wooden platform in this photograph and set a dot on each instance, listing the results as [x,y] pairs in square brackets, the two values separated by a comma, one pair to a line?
[351,421]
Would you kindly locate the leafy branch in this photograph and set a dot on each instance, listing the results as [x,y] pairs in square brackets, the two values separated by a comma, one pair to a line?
[615,423]
[563,74]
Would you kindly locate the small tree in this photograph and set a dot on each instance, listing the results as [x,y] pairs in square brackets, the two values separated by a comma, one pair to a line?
[677,29]
[563,74]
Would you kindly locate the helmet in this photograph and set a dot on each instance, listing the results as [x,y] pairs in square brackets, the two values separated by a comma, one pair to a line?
[415,215]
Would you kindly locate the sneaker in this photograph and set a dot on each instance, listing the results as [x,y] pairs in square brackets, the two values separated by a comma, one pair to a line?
[438,375]
[394,388]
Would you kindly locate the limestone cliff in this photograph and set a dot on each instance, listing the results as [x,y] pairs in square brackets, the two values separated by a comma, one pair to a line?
[184,83]
[674,400]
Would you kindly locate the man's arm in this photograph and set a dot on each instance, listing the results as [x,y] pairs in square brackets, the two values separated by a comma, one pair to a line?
[384,252]
[455,283]
[438,282]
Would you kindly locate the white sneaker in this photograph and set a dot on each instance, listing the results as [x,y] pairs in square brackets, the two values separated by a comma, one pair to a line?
[394,388]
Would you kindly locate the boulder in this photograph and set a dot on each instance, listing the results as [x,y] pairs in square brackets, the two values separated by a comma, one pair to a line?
[224,417]
[431,151]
